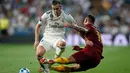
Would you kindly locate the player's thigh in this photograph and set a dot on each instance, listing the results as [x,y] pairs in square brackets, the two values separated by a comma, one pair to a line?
[46,44]
[79,56]
[83,60]
[88,64]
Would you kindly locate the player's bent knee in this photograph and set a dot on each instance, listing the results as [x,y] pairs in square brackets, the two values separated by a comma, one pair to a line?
[40,51]
[39,54]
[61,44]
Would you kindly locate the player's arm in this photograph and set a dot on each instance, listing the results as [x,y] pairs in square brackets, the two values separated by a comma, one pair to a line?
[37,31]
[79,28]
[72,24]
[76,27]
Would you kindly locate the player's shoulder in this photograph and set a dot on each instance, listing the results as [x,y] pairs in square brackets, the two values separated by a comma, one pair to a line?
[92,27]
[89,27]
[66,13]
[48,12]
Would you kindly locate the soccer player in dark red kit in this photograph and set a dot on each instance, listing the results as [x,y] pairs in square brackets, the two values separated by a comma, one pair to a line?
[87,57]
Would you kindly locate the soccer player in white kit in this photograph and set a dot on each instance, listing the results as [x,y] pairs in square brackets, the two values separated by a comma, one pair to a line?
[53,36]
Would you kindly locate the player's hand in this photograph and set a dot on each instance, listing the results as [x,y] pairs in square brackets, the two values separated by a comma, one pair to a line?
[67,24]
[36,44]
[90,43]
[75,47]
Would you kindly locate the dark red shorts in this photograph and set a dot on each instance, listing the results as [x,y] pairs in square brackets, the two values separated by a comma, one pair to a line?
[87,58]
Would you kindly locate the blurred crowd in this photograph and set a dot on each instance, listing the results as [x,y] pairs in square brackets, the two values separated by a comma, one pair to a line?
[19,17]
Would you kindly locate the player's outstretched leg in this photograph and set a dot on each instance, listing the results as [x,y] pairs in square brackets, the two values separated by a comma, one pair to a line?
[63,60]
[60,60]
[63,68]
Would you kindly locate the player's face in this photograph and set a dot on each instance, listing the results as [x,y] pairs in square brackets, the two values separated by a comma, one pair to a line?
[56,9]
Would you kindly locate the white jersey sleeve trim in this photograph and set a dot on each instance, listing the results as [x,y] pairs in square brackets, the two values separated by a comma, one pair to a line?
[43,19]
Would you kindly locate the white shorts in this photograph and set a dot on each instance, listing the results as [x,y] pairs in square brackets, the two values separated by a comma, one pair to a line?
[50,43]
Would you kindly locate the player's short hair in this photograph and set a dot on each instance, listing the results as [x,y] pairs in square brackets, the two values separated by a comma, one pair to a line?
[91,17]
[55,2]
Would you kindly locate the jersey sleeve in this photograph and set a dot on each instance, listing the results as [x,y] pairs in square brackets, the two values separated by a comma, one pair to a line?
[70,19]
[43,19]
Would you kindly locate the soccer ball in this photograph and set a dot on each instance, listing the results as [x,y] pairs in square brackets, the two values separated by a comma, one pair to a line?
[24,70]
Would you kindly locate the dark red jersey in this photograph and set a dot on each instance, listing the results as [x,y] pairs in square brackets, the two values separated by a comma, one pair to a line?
[93,35]
[89,56]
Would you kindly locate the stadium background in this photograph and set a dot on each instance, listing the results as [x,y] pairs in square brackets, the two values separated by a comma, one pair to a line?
[19,17]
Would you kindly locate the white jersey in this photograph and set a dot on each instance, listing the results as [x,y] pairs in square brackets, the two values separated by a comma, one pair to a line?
[54,26]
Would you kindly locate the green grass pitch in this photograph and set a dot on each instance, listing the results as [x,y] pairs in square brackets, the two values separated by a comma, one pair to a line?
[16,56]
